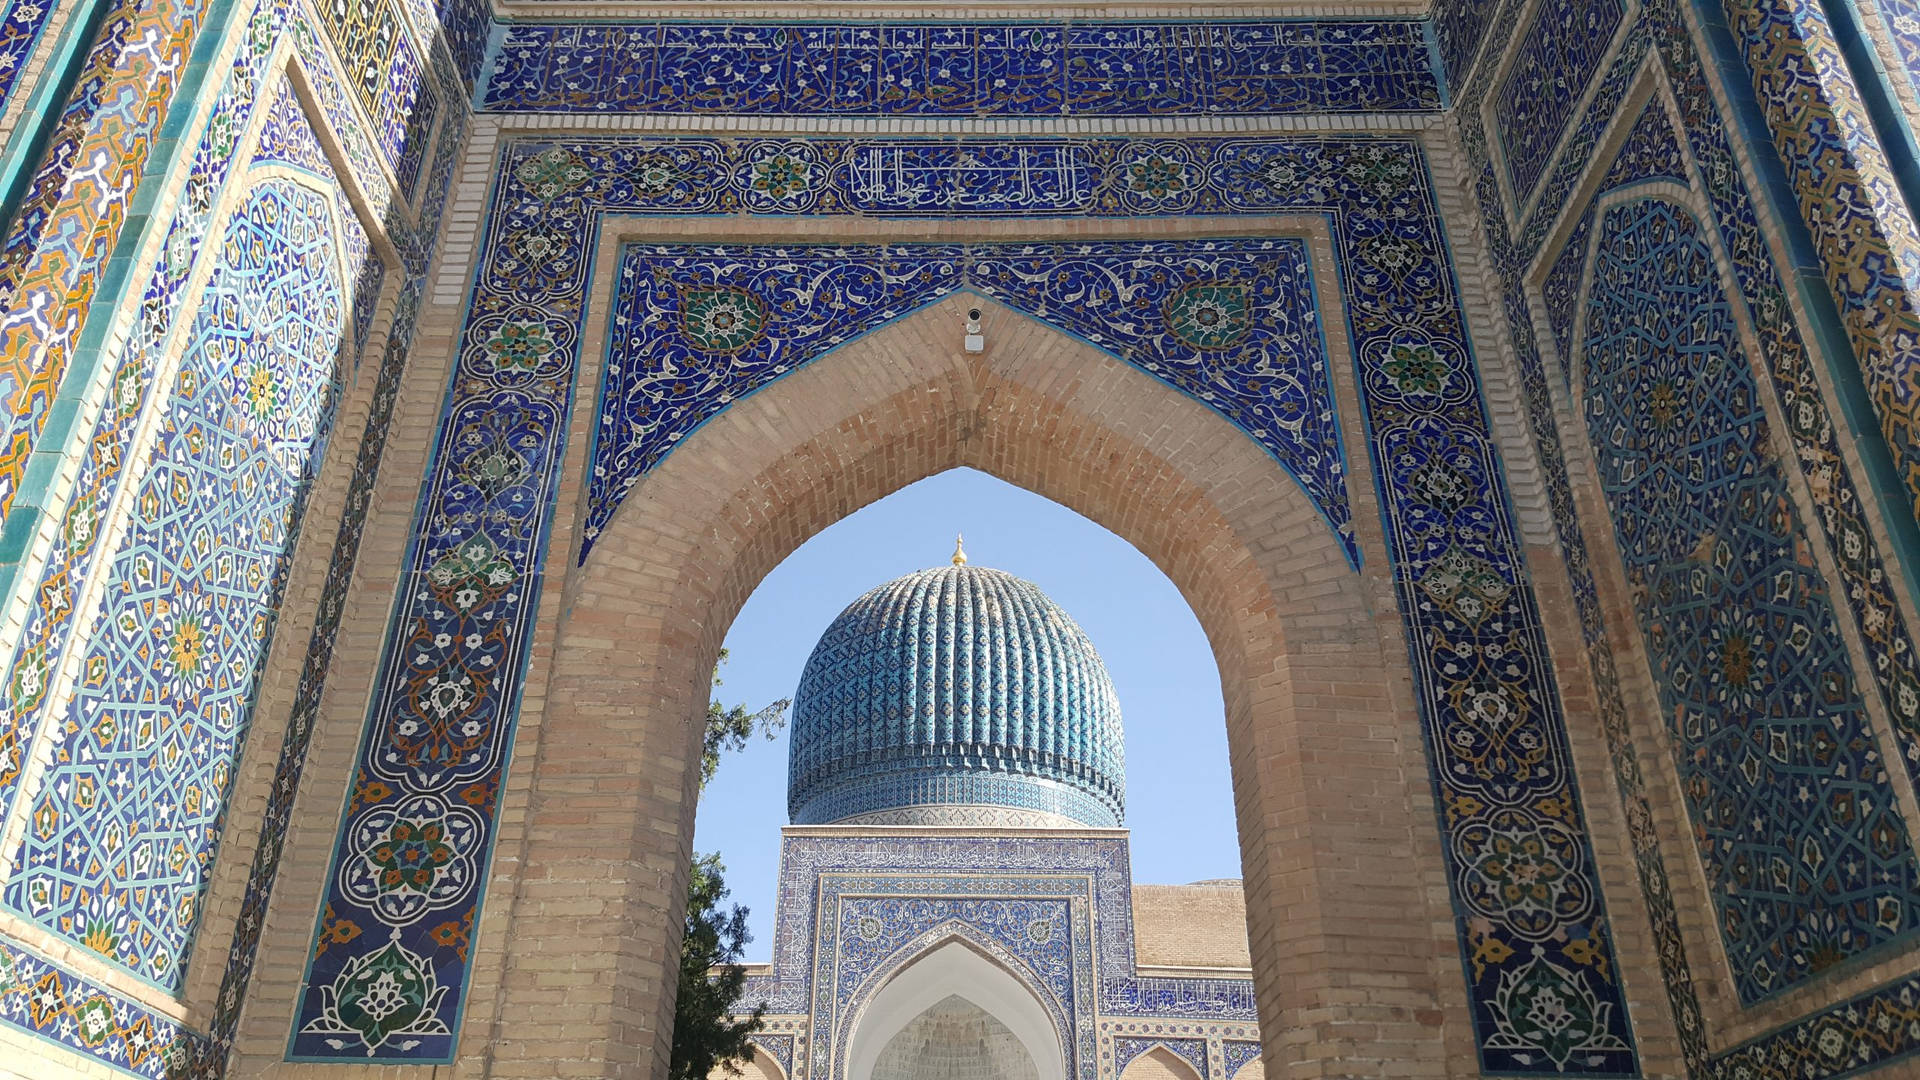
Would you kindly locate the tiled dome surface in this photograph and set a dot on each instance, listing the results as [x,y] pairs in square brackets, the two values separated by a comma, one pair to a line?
[958,686]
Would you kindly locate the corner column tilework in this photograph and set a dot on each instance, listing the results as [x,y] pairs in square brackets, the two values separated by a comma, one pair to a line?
[445,701]
[1862,228]
[1231,323]
[966,69]
[1852,1034]
[70,218]
[127,819]
[34,994]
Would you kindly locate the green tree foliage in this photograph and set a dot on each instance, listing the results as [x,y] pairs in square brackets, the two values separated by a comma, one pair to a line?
[706,1036]
[729,729]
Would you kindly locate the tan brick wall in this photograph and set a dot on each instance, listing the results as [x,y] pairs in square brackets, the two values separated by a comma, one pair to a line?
[1190,926]
[26,1057]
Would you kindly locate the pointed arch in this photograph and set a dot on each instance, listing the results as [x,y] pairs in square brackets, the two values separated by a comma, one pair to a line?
[1159,1063]
[1313,664]
[952,968]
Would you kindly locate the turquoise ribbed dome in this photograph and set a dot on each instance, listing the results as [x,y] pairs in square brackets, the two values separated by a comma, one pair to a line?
[949,688]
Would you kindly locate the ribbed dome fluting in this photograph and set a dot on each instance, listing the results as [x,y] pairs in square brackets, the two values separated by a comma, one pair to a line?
[958,686]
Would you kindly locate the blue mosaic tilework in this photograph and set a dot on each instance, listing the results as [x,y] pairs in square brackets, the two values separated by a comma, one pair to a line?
[1050,908]
[128,818]
[1192,1051]
[37,996]
[1560,291]
[1901,18]
[1805,849]
[1864,580]
[1264,367]
[1459,28]
[1872,1029]
[981,69]
[77,539]
[1650,152]
[1234,1054]
[444,704]
[1562,47]
[1041,939]
[288,138]
[779,1048]
[20,30]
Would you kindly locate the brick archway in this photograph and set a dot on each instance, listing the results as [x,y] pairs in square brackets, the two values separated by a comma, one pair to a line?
[1330,787]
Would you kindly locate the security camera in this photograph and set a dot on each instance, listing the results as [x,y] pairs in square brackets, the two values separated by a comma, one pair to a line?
[975,341]
[973,314]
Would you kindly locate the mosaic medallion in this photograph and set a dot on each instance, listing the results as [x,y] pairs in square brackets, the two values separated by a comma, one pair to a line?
[1209,314]
[722,319]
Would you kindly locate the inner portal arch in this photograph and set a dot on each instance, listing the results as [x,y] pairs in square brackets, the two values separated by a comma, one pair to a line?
[952,1008]
[1309,669]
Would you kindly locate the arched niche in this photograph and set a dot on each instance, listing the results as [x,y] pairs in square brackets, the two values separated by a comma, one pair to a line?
[1160,1063]
[1324,741]
[929,983]
[759,1065]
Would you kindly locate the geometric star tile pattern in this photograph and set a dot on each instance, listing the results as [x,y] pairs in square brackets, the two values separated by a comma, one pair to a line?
[1843,1037]
[125,826]
[1804,847]
[1229,322]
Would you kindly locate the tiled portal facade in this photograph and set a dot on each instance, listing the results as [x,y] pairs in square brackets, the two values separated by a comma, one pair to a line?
[347,348]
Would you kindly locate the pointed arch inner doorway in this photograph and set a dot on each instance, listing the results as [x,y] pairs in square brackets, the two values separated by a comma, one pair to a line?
[952,1014]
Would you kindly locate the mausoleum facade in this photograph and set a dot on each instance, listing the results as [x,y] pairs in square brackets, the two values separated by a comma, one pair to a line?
[956,894]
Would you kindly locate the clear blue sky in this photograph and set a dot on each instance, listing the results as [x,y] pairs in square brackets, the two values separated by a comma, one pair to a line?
[1179,796]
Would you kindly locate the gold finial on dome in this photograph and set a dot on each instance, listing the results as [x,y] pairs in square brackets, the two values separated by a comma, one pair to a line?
[959,553]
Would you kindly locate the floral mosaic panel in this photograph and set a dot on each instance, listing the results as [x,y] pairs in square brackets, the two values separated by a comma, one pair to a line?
[1231,323]
[1459,28]
[1561,49]
[1530,912]
[128,817]
[1805,849]
[1234,1054]
[1192,1051]
[982,69]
